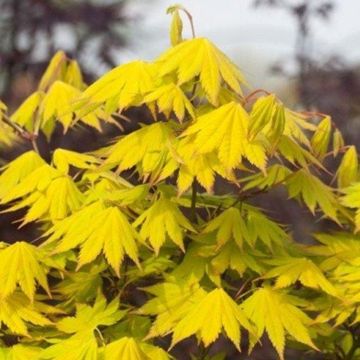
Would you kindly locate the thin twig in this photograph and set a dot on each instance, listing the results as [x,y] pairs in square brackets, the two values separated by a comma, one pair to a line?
[24,134]
[190,20]
[17,128]
[34,145]
[243,286]
[251,95]
[193,201]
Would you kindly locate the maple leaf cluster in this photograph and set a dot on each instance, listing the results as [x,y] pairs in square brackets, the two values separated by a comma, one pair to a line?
[136,244]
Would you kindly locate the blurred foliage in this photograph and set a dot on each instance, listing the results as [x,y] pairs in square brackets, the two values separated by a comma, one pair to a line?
[327,82]
[30,30]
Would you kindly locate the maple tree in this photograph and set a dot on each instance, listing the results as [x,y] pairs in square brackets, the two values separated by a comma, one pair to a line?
[138,248]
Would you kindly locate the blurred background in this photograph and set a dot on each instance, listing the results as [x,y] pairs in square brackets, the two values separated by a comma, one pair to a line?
[307,51]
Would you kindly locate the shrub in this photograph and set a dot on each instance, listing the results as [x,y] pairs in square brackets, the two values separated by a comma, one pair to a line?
[140,248]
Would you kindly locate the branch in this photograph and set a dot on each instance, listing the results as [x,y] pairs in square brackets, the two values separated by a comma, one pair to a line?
[193,201]
[190,20]
[29,136]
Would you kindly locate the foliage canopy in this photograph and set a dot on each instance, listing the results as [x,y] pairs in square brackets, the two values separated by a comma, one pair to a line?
[139,250]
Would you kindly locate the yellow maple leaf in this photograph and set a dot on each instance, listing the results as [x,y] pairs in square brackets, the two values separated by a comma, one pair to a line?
[225,131]
[348,170]
[171,301]
[16,310]
[81,346]
[295,124]
[96,229]
[20,352]
[351,198]
[90,317]
[194,165]
[176,26]
[153,144]
[20,264]
[41,109]
[163,219]
[119,88]
[321,138]
[54,71]
[18,169]
[207,318]
[63,158]
[125,348]
[168,98]
[276,312]
[199,57]
[313,192]
[26,113]
[56,103]
[228,225]
[288,270]
[46,192]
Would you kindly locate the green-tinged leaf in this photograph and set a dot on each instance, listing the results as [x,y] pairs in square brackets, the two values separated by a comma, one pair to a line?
[275,175]
[38,179]
[275,128]
[313,192]
[321,138]
[81,346]
[16,310]
[336,248]
[231,257]
[247,227]
[152,144]
[176,26]
[154,352]
[288,270]
[129,196]
[81,286]
[261,113]
[338,142]
[171,302]
[20,352]
[291,150]
[348,170]
[351,199]
[88,318]
[268,116]
[163,219]
[295,126]
[229,225]
[262,228]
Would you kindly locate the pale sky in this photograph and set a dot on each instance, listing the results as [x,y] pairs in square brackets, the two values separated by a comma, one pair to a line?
[254,38]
